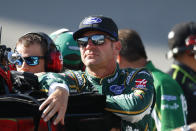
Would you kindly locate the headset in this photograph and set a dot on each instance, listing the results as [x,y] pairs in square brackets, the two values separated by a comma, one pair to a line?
[188,44]
[178,50]
[53,57]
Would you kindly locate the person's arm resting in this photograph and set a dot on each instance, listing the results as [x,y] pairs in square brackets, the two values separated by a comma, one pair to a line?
[136,102]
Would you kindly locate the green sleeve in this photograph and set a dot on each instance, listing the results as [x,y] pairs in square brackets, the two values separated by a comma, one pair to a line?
[136,100]
[170,106]
[68,78]
[47,79]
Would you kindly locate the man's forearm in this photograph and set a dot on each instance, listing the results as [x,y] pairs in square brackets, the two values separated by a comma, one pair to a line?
[53,87]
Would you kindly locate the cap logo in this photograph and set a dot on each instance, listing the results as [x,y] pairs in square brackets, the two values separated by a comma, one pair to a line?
[76,48]
[171,35]
[92,20]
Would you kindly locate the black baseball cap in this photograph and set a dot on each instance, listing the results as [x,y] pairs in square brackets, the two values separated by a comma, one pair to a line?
[178,35]
[97,23]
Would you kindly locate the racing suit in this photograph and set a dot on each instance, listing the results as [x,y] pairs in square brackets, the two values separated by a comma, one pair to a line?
[186,77]
[170,108]
[129,93]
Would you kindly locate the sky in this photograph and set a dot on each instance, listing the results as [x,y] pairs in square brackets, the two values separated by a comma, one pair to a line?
[152,19]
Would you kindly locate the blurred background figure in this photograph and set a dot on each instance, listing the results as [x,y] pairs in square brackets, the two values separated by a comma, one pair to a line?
[69,48]
[182,45]
[168,92]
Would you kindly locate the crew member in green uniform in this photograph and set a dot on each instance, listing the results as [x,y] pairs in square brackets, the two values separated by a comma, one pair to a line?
[129,92]
[63,39]
[170,108]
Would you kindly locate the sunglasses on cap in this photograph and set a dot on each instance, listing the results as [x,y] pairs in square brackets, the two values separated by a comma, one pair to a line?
[96,40]
[31,60]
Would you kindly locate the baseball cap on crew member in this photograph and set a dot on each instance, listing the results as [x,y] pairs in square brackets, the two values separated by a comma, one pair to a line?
[63,39]
[97,23]
[178,36]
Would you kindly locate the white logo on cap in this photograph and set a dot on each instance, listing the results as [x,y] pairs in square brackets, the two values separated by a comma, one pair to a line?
[171,35]
[74,48]
[92,20]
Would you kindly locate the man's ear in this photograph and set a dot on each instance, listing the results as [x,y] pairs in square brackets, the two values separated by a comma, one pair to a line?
[118,46]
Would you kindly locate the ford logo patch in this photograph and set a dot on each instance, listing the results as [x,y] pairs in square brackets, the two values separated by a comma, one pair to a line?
[116,89]
[92,20]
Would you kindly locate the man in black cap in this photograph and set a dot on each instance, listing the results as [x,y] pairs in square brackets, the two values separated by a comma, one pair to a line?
[129,92]
[182,44]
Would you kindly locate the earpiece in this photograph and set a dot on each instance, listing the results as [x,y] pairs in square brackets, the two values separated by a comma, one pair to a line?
[53,57]
[54,60]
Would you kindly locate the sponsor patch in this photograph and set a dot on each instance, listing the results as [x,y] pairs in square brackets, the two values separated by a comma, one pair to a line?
[116,89]
[79,78]
[140,83]
[129,77]
[92,20]
[122,96]
[168,97]
[129,128]
[171,107]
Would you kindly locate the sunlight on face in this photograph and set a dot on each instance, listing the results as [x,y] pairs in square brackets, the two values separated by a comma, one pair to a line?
[99,55]
[32,50]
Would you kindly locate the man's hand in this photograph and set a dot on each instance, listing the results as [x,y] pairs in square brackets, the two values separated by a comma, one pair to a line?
[191,126]
[55,103]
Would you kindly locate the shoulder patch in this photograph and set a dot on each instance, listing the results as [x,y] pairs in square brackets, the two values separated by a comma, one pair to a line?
[79,78]
[140,83]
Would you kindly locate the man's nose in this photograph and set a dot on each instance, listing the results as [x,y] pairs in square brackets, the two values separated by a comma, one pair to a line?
[90,43]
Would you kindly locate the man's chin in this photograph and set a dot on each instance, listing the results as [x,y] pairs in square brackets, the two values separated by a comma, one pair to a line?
[91,62]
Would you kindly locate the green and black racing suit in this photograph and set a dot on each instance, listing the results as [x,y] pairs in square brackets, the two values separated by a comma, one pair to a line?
[129,93]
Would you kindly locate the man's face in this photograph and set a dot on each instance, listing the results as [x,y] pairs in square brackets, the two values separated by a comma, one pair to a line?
[32,50]
[98,55]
